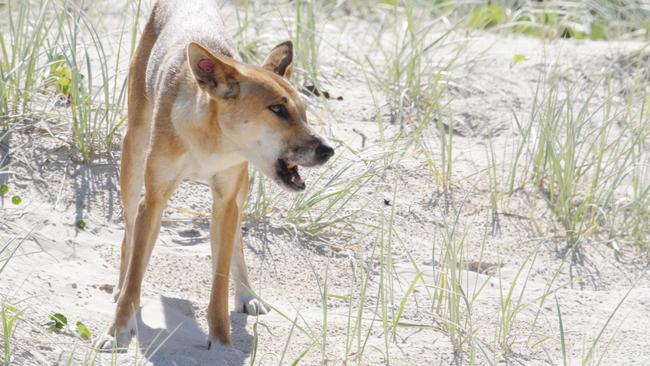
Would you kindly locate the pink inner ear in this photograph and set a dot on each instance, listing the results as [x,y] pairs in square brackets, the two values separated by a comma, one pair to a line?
[206,65]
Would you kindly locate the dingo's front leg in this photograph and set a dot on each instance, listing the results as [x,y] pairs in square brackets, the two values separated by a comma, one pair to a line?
[145,232]
[227,208]
[245,299]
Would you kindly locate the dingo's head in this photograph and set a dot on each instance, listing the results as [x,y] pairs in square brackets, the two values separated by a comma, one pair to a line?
[260,112]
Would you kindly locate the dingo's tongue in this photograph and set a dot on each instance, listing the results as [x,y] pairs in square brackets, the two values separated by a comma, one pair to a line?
[296,179]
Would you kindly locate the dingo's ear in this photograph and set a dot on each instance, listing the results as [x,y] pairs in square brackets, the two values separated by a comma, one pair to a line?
[279,60]
[216,74]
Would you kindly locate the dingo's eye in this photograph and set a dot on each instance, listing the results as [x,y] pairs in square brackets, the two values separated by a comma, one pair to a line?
[280,110]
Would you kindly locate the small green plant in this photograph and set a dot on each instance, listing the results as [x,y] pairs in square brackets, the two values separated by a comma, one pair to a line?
[517,58]
[10,317]
[512,304]
[16,200]
[81,224]
[22,46]
[61,77]
[57,322]
[83,330]
[562,335]
[494,188]
[451,299]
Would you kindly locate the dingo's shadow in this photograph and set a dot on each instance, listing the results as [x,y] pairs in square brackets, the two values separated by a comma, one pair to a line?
[169,334]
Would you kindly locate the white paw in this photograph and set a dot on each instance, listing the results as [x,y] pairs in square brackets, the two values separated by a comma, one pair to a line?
[250,305]
[110,343]
[117,341]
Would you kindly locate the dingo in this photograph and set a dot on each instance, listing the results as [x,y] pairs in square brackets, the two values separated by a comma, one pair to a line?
[196,111]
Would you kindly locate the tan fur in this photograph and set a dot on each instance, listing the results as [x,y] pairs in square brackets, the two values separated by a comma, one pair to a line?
[189,121]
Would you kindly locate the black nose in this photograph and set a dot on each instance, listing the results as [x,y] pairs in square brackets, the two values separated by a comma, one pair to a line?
[324,152]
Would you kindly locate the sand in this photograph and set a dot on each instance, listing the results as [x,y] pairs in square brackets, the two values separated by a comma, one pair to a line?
[61,268]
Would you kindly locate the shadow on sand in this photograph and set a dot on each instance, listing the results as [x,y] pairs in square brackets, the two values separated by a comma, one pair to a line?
[169,334]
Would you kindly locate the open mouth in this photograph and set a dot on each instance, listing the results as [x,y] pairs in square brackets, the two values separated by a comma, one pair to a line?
[287,171]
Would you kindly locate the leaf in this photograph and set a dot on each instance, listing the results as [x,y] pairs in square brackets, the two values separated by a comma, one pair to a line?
[83,330]
[562,340]
[4,189]
[81,224]
[11,312]
[57,321]
[16,200]
[518,58]
[61,76]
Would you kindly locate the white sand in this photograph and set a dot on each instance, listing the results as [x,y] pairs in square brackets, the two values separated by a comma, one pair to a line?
[61,269]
